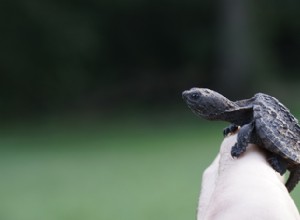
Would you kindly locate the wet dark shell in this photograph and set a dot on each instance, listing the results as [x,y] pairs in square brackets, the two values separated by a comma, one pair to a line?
[277,127]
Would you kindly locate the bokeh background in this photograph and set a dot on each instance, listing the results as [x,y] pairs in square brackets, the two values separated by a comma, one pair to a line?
[92,121]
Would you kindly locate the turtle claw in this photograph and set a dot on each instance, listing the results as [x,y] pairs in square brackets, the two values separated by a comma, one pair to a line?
[236,151]
[230,129]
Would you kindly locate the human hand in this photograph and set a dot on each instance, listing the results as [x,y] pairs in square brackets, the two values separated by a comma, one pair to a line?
[243,188]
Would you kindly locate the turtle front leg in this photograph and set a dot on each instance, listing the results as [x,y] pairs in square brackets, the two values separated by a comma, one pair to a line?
[244,136]
[230,129]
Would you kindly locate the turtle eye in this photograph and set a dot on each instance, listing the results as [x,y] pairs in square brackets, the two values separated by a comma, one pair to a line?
[195,96]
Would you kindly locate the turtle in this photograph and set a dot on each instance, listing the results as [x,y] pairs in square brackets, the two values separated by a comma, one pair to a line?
[262,120]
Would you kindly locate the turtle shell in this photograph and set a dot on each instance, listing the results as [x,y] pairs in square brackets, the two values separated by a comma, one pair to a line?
[277,127]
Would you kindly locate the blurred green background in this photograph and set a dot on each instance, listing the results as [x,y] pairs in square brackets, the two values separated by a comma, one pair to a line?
[92,121]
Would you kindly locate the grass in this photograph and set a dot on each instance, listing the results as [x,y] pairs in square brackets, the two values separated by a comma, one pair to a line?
[132,168]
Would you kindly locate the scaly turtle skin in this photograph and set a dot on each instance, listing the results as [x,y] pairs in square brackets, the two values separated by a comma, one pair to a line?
[263,120]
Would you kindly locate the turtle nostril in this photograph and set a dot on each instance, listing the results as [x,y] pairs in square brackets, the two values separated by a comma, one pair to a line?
[184,94]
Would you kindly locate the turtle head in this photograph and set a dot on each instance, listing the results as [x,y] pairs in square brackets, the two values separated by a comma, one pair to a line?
[207,103]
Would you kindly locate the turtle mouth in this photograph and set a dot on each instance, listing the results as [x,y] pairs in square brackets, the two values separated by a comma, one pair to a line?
[196,109]
[204,114]
[190,103]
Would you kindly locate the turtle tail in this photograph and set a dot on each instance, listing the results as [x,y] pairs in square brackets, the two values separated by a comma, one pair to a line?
[293,178]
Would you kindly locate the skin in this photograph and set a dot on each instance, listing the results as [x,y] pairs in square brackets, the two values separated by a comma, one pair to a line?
[211,105]
[225,183]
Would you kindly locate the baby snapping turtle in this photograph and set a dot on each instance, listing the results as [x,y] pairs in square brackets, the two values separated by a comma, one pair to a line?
[264,121]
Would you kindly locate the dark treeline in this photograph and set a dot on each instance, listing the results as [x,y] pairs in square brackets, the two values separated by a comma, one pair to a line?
[102,55]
